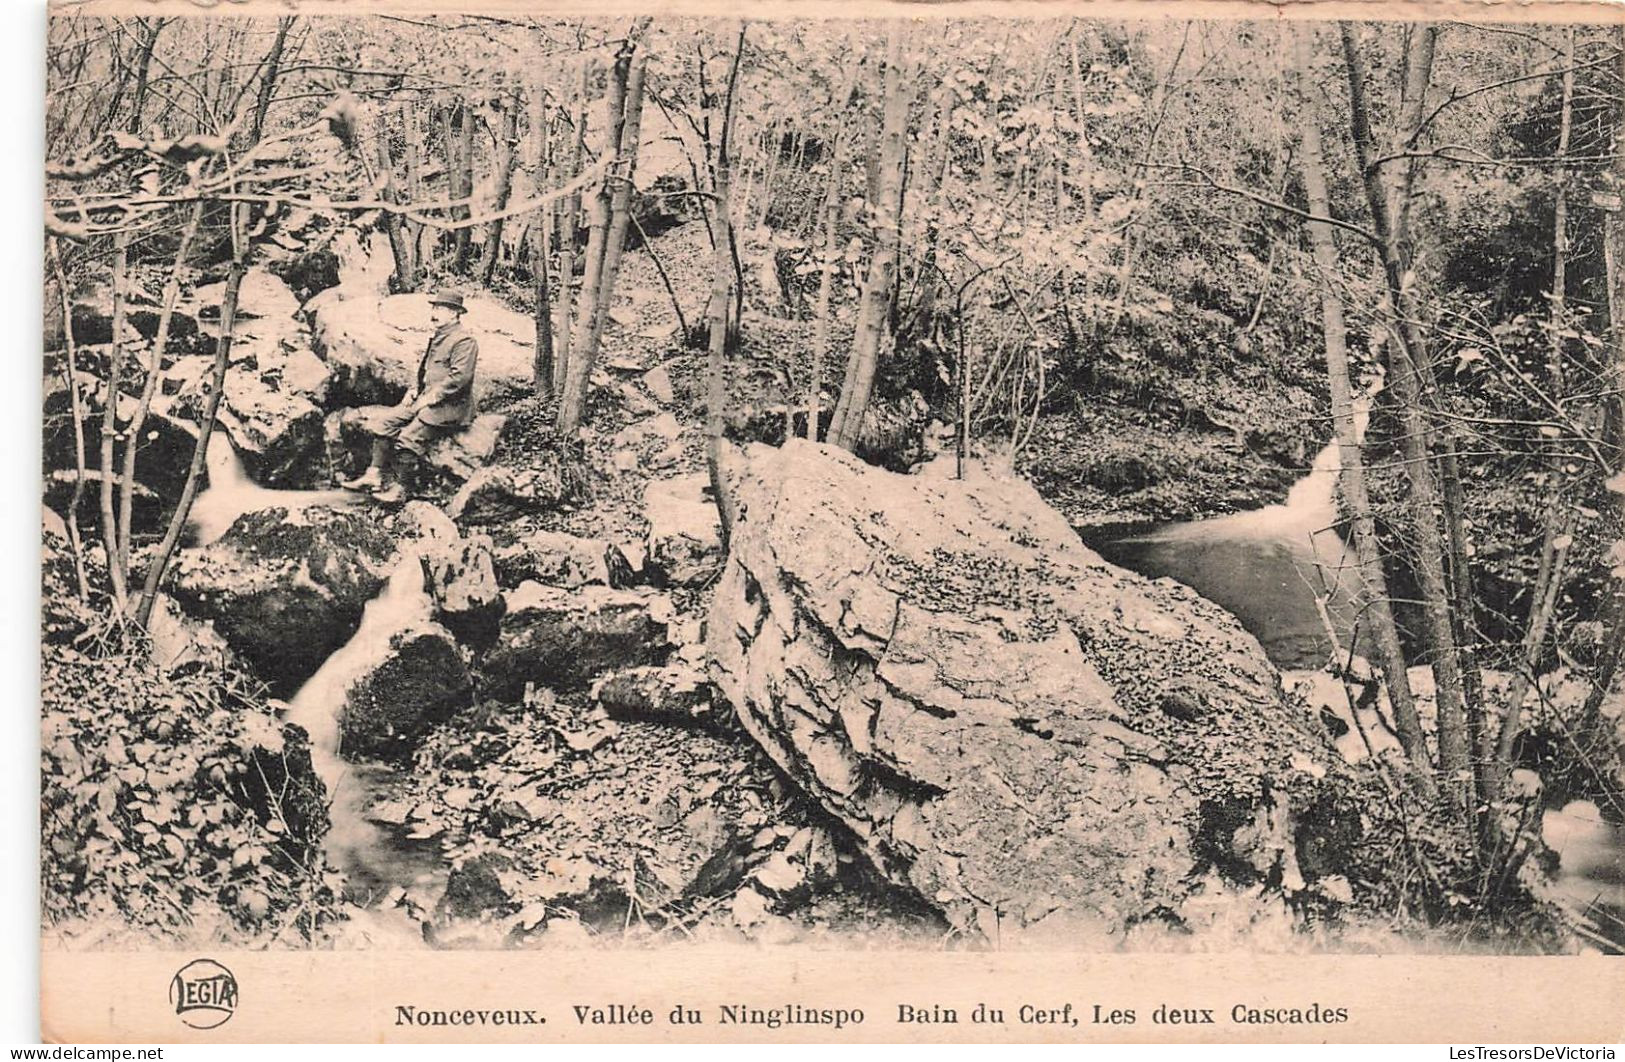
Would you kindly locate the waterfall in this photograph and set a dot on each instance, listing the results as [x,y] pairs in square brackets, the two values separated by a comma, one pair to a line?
[1268,566]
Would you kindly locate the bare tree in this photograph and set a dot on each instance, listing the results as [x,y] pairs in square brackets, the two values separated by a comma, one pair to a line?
[1374,600]
[829,218]
[874,308]
[606,239]
[507,156]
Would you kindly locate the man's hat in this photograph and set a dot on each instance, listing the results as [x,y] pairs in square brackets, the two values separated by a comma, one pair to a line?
[448,298]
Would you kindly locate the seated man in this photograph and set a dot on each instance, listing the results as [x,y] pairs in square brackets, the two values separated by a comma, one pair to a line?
[442,402]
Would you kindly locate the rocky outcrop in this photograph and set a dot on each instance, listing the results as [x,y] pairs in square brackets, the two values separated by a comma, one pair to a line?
[460,576]
[274,388]
[685,537]
[285,588]
[1028,738]
[554,558]
[163,454]
[277,433]
[418,681]
[563,639]
[262,294]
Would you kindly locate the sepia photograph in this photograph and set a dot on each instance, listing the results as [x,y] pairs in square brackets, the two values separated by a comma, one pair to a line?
[526,480]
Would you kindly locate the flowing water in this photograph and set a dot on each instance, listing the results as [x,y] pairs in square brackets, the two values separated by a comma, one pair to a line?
[372,858]
[1591,876]
[231,493]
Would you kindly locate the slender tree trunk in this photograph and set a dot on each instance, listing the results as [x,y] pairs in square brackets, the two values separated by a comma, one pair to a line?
[608,239]
[1409,378]
[593,260]
[405,280]
[446,239]
[1480,742]
[665,278]
[1560,519]
[1352,482]
[115,366]
[200,452]
[149,388]
[71,377]
[568,235]
[770,170]
[142,66]
[506,156]
[874,309]
[414,186]
[462,167]
[620,204]
[722,275]
[273,69]
[826,282]
[541,247]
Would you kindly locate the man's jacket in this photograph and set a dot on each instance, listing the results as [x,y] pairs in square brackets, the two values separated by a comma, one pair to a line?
[446,376]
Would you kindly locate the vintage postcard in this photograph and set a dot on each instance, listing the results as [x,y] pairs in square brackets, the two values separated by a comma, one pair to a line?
[833,522]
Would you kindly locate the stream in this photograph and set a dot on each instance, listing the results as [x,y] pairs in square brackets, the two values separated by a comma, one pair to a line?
[1267,566]
[375,859]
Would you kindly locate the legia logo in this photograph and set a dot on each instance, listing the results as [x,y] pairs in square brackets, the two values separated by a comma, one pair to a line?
[204,994]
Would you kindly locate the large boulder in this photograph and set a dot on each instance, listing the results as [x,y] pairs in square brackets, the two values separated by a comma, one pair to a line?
[417,679]
[163,454]
[285,588]
[277,433]
[262,294]
[1024,735]
[274,388]
[685,535]
[374,345]
[563,639]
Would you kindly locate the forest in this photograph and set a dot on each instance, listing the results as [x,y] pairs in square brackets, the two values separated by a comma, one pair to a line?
[942,482]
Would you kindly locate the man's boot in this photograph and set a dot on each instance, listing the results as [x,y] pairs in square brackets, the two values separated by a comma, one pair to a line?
[373,477]
[405,483]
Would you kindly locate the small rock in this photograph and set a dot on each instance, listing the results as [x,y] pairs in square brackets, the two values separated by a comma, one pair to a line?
[476,887]
[676,694]
[685,535]
[657,381]
[635,401]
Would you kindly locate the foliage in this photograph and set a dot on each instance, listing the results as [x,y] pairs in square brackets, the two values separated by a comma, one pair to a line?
[175,804]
